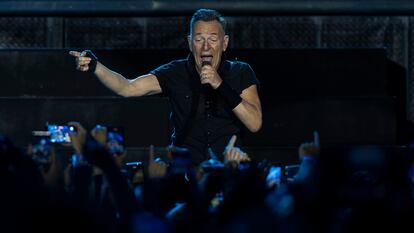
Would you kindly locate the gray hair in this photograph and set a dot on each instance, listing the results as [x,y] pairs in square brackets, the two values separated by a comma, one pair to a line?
[207,15]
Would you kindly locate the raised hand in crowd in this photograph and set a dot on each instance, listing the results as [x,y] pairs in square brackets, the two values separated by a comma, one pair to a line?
[99,133]
[310,150]
[157,168]
[234,155]
[122,197]
[43,153]
[78,138]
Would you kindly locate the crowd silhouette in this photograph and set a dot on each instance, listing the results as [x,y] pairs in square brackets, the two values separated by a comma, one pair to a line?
[333,190]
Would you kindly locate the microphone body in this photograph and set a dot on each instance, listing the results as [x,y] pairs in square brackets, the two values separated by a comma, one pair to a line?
[207,90]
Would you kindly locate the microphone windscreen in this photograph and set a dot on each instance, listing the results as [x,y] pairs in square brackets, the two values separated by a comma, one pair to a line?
[205,63]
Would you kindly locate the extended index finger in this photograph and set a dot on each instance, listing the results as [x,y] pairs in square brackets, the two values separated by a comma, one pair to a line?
[232,141]
[211,153]
[75,53]
[316,139]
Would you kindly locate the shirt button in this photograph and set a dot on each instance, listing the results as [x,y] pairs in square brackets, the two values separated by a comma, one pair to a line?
[208,133]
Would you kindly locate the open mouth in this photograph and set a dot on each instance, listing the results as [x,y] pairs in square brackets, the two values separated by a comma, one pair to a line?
[207,58]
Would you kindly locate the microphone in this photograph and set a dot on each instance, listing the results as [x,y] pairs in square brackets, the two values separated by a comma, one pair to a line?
[205,63]
[207,89]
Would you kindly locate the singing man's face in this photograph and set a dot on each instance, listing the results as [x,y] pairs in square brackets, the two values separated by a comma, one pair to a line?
[207,43]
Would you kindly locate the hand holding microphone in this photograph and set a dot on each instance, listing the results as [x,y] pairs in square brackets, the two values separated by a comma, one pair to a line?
[209,75]
[204,67]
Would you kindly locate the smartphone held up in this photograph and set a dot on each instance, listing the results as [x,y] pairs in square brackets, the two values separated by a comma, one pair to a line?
[115,140]
[60,133]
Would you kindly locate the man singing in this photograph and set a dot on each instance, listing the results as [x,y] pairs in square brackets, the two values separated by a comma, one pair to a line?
[211,98]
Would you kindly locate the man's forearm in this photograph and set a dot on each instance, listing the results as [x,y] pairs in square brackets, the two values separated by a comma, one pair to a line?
[246,105]
[113,80]
[249,115]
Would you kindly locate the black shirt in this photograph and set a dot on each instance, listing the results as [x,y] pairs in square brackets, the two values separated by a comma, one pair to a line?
[200,116]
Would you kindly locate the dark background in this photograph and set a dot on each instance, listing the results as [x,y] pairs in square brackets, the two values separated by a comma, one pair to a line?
[343,68]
